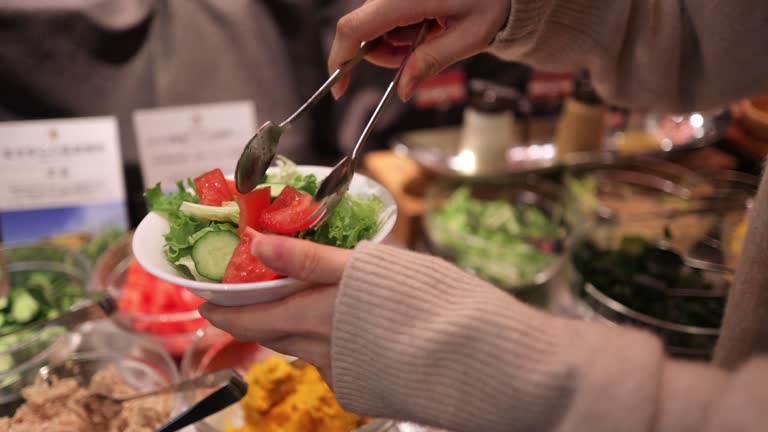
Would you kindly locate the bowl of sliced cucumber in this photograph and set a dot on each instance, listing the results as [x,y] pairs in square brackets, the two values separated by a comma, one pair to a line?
[196,237]
[43,281]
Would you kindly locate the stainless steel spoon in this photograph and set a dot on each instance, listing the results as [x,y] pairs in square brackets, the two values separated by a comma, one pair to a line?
[208,380]
[258,154]
[335,185]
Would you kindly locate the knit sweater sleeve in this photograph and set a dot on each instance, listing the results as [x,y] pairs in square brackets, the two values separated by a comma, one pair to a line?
[673,55]
[415,338]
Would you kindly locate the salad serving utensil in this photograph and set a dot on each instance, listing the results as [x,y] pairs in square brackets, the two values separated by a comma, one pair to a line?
[335,185]
[258,154]
[208,380]
[228,394]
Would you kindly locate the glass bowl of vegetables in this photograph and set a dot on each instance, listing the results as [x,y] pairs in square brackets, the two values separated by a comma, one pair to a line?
[43,281]
[147,305]
[287,393]
[638,256]
[510,233]
[97,356]
[643,196]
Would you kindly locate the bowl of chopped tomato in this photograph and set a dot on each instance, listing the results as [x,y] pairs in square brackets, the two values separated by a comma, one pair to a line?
[200,235]
[147,305]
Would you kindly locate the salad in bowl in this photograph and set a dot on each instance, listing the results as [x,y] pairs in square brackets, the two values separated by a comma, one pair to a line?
[200,235]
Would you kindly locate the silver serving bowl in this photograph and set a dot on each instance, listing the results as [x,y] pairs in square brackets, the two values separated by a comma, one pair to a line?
[494,260]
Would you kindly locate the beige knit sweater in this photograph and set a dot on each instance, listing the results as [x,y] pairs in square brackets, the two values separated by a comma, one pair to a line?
[416,338]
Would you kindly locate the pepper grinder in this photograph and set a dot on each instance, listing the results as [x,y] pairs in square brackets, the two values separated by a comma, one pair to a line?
[488,129]
[582,124]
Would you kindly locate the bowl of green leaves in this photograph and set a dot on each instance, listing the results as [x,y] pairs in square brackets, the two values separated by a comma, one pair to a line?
[510,233]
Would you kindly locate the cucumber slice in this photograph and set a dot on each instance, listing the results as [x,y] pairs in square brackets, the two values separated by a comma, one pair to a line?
[24,307]
[274,188]
[212,252]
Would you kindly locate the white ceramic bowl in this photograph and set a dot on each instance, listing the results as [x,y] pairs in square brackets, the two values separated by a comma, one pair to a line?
[148,248]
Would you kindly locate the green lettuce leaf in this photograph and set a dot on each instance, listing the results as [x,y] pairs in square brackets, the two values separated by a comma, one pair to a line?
[184,230]
[354,219]
[289,174]
[159,202]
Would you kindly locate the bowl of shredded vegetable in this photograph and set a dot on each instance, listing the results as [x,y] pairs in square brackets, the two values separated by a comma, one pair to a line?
[511,234]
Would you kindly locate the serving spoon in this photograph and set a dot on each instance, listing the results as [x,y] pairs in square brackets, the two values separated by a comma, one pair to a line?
[258,154]
[335,185]
[208,380]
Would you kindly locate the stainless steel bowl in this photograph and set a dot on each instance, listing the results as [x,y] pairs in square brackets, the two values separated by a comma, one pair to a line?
[663,186]
[680,340]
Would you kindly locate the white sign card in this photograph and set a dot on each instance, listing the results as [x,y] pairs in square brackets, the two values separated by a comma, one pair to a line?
[60,176]
[181,142]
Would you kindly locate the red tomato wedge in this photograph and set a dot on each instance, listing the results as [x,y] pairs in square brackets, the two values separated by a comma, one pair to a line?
[289,213]
[212,188]
[244,267]
[233,188]
[252,205]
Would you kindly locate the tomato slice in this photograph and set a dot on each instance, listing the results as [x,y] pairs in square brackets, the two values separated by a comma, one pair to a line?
[290,213]
[252,205]
[233,188]
[244,267]
[212,188]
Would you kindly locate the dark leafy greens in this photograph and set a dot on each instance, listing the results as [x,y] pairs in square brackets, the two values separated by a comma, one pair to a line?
[632,276]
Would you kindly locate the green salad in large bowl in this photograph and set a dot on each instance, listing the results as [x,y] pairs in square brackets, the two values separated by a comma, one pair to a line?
[511,235]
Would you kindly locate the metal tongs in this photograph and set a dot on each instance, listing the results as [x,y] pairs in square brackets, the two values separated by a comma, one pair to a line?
[262,148]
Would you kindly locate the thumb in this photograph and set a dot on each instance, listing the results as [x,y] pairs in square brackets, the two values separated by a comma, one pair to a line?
[301,259]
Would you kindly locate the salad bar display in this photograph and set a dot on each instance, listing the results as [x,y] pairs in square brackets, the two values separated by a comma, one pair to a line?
[621,236]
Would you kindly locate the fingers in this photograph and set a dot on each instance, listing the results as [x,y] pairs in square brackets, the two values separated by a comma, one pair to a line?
[307,313]
[433,56]
[315,351]
[397,44]
[377,17]
[300,259]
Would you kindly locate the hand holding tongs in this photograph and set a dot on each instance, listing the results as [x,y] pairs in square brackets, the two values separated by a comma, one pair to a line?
[261,149]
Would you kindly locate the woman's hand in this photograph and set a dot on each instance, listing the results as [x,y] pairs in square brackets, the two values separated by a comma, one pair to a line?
[299,325]
[466,27]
